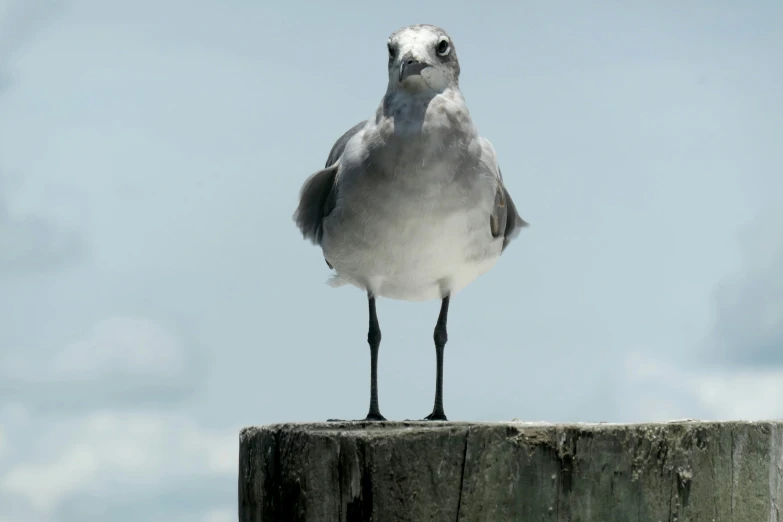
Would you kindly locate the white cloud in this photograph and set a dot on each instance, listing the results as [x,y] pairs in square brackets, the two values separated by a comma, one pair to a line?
[749,305]
[35,243]
[140,451]
[650,389]
[76,467]
[746,395]
[125,345]
[221,515]
[13,418]
[738,372]
[121,359]
[659,390]
[14,413]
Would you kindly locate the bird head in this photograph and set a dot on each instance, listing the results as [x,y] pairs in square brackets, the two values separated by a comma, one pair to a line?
[422,57]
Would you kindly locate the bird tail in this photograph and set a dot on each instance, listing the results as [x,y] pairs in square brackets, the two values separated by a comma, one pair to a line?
[336,281]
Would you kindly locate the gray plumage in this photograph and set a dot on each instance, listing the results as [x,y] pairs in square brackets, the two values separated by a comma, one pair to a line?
[317,197]
[411,203]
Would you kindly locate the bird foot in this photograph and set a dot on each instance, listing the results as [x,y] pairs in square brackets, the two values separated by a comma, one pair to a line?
[436,416]
[371,417]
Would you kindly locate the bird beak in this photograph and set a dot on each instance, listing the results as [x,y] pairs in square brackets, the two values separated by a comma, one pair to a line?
[411,67]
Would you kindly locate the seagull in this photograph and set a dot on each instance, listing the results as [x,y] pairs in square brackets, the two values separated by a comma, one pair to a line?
[411,203]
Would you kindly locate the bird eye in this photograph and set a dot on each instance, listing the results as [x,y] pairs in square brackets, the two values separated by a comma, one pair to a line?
[443,47]
[391,51]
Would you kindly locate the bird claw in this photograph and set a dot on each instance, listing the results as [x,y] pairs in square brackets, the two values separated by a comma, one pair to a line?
[439,416]
[371,417]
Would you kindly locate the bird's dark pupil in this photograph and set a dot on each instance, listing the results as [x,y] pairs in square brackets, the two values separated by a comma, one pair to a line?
[442,46]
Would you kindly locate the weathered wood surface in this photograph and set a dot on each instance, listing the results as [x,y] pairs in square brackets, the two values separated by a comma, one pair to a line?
[476,472]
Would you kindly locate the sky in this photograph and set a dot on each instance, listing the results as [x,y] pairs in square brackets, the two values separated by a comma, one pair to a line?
[156,296]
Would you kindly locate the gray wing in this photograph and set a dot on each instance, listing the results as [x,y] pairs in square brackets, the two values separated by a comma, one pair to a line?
[504,219]
[319,193]
[342,141]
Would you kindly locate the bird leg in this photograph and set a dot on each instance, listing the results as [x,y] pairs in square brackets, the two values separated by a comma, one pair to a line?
[440,336]
[374,340]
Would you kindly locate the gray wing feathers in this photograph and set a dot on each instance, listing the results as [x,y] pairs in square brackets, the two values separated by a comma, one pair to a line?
[505,219]
[319,193]
[316,201]
[339,145]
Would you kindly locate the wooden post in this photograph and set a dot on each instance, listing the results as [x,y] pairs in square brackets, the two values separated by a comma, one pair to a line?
[479,472]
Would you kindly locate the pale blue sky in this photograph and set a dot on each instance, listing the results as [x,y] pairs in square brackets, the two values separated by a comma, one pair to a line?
[156,296]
